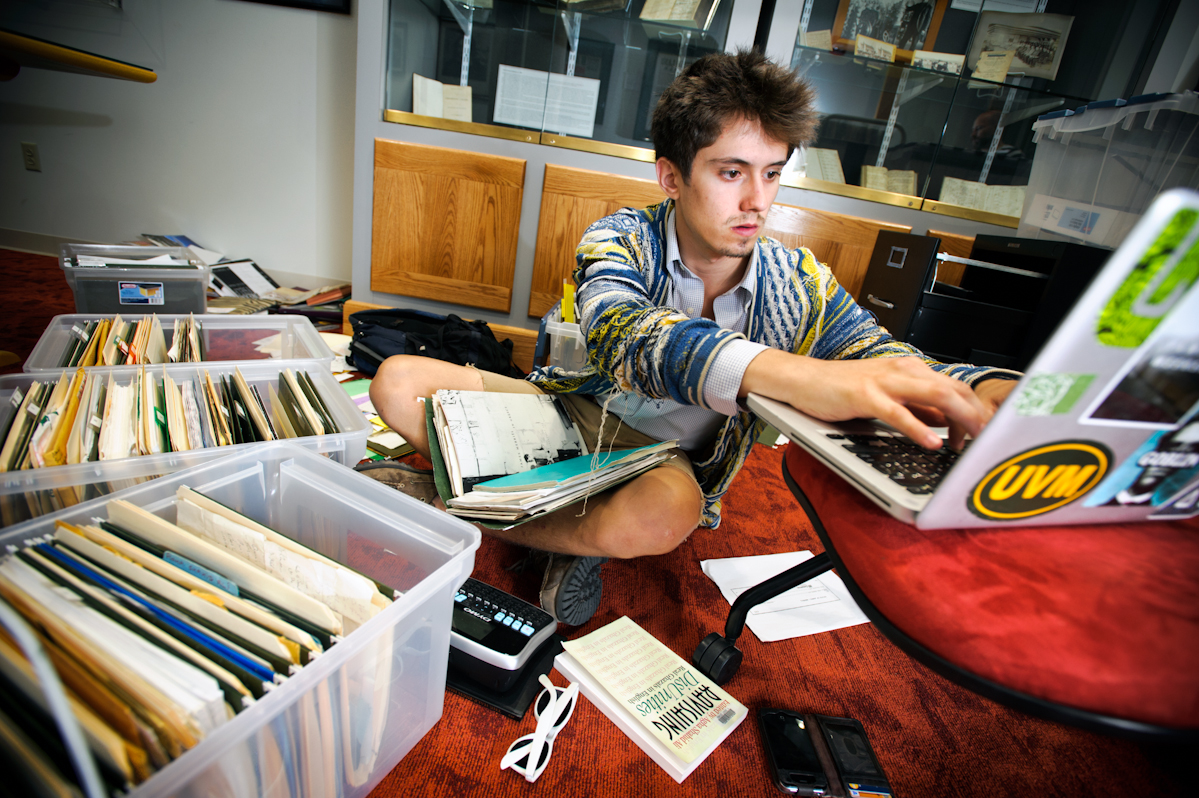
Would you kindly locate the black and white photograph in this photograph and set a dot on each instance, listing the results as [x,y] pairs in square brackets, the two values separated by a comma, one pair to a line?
[866,47]
[1036,39]
[907,24]
[948,63]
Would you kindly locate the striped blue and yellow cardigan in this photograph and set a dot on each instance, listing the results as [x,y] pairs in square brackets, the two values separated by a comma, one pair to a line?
[635,343]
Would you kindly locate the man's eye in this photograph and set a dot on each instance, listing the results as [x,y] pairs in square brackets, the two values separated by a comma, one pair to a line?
[731,173]
[773,174]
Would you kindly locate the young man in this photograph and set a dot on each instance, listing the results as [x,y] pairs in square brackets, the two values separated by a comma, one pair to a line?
[686,309]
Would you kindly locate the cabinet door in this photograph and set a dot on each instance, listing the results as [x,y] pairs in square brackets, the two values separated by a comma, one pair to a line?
[571,199]
[445,224]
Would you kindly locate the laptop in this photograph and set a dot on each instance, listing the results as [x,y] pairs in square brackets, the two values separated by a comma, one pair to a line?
[1103,428]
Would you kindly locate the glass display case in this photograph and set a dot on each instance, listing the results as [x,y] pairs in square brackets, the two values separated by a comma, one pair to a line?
[920,137]
[584,75]
[916,124]
[922,131]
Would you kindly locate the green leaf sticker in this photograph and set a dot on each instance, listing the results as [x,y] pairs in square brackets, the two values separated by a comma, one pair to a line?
[1163,275]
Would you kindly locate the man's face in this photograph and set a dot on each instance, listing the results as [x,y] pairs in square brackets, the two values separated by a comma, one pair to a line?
[722,208]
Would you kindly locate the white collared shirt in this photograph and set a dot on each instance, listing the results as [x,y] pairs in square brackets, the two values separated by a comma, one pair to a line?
[694,426]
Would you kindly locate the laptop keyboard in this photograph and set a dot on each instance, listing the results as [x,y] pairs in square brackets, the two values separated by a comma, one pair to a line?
[909,465]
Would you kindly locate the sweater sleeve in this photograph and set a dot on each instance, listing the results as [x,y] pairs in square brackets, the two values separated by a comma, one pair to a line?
[632,339]
[849,332]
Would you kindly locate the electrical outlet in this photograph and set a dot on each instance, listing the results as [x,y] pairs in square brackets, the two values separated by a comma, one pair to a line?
[33,161]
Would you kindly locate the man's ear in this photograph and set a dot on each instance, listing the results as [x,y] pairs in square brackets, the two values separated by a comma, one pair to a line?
[669,177]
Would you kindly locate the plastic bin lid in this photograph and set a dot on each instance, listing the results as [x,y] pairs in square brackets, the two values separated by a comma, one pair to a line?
[1104,113]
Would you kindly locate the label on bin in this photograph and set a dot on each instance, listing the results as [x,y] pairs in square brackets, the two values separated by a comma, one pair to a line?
[141,293]
[1078,220]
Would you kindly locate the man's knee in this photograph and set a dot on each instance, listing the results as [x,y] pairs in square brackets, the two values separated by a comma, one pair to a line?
[402,378]
[655,517]
[397,371]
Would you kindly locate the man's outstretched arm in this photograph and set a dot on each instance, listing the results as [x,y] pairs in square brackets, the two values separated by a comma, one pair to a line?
[902,391]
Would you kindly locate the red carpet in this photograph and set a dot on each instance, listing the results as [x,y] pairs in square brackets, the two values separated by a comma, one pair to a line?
[932,737]
[35,291]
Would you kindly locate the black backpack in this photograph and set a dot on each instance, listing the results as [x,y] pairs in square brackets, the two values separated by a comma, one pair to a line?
[379,334]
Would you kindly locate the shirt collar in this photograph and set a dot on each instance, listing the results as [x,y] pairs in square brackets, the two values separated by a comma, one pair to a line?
[677,269]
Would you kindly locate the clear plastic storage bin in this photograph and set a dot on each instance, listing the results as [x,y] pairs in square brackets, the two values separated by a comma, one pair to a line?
[349,716]
[1098,167]
[34,492]
[225,338]
[135,289]
[563,342]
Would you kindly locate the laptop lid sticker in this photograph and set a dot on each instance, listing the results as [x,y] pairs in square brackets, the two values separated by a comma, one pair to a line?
[1157,472]
[1039,480]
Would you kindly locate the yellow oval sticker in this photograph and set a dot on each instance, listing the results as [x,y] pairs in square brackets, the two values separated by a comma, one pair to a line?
[1040,480]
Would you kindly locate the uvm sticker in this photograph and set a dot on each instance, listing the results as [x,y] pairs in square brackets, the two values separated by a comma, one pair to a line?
[1040,480]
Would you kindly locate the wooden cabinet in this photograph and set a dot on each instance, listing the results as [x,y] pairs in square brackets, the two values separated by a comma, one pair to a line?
[445,224]
[571,199]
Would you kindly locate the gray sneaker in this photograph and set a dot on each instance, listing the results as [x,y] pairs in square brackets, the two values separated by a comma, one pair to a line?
[571,588]
[415,482]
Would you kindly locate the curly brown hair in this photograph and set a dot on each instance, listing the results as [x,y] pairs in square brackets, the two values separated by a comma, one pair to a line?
[720,87]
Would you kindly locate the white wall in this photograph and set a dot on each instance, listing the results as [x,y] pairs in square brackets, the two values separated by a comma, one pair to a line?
[245,142]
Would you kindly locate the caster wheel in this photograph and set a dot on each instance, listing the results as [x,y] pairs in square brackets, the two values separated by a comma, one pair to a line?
[717,658]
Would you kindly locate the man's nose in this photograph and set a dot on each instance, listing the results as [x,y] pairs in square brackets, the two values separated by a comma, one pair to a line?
[757,194]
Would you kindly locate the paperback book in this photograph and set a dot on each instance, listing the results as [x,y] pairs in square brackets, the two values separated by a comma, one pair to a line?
[672,711]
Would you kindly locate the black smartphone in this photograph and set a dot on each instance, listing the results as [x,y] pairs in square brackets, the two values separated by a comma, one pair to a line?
[790,752]
[860,772]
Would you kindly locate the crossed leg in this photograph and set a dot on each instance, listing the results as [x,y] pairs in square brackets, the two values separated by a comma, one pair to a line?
[650,514]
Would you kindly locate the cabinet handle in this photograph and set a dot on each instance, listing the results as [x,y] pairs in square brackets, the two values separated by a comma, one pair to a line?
[880,302]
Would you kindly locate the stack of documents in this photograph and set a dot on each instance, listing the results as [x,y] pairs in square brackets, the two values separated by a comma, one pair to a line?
[544,489]
[383,441]
[86,416]
[162,632]
[103,261]
[506,457]
[117,342]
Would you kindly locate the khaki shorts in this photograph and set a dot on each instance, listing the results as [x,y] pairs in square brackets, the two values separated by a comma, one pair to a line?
[587,414]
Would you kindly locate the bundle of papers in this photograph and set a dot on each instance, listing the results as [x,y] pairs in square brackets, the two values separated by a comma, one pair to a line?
[488,435]
[547,488]
[118,342]
[86,416]
[504,457]
[164,261]
[162,632]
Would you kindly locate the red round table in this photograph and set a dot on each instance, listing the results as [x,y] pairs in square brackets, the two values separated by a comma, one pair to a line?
[1095,626]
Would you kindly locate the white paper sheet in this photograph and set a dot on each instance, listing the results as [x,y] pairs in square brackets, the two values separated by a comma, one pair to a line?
[819,605]
[531,98]
[426,96]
